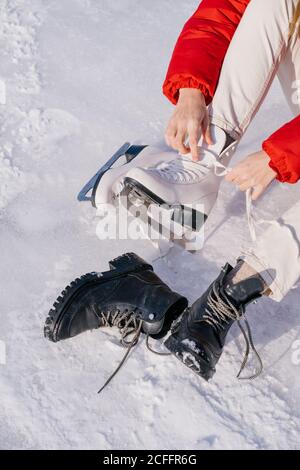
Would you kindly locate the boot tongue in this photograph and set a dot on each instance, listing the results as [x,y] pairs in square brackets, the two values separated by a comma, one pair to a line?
[245,291]
[197,305]
[219,138]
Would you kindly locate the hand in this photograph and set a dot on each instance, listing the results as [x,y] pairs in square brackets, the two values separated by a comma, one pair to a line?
[253,172]
[190,119]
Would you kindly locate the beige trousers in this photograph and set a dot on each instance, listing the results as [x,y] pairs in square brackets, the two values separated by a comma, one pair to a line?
[260,50]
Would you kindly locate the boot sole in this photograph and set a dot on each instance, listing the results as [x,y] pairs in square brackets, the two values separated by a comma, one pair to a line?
[119,267]
[188,357]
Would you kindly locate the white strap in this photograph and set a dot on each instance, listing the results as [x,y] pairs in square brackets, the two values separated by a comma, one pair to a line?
[250,217]
[221,170]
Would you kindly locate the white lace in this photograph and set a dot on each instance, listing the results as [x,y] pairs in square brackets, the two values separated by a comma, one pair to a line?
[252,220]
[183,170]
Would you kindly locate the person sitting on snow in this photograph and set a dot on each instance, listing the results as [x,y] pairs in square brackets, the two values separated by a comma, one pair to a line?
[222,67]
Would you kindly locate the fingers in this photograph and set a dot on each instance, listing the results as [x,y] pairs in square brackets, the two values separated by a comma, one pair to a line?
[176,140]
[175,137]
[194,133]
[189,120]
[257,192]
[179,141]
[245,186]
[234,174]
[243,182]
[170,134]
[235,178]
[261,186]
[194,150]
[207,137]
[253,172]
[206,130]
[230,177]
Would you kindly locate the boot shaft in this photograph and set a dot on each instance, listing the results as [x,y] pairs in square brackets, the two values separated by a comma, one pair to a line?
[129,293]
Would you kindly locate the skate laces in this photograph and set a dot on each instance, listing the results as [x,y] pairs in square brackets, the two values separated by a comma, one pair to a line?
[128,325]
[253,221]
[183,170]
[220,312]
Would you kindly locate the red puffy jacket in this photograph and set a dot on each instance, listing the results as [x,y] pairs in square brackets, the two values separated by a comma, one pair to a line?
[196,63]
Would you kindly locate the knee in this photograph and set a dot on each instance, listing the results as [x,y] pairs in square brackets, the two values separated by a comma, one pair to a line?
[270,10]
[272,16]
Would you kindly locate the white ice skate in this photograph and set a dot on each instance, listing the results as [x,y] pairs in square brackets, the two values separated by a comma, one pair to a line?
[178,193]
[184,189]
[107,183]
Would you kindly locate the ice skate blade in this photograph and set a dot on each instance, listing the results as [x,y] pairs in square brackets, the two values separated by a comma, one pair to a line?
[188,357]
[94,181]
[88,192]
[183,223]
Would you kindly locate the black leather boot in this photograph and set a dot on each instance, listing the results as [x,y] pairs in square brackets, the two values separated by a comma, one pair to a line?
[198,338]
[130,296]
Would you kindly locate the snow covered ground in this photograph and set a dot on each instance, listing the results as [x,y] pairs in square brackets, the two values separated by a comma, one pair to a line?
[82,77]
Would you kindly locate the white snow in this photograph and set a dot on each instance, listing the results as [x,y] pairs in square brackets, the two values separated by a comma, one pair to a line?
[191,345]
[82,77]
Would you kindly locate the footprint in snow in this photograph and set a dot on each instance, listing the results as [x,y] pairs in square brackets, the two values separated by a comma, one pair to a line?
[42,130]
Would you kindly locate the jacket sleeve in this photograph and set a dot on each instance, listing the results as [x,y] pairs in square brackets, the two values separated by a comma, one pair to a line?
[283,148]
[201,47]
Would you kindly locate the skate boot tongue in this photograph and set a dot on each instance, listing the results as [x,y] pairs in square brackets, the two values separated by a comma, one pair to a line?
[209,153]
[219,138]
[184,169]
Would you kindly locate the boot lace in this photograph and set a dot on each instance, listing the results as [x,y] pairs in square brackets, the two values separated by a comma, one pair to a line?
[219,313]
[184,170]
[129,326]
[126,322]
